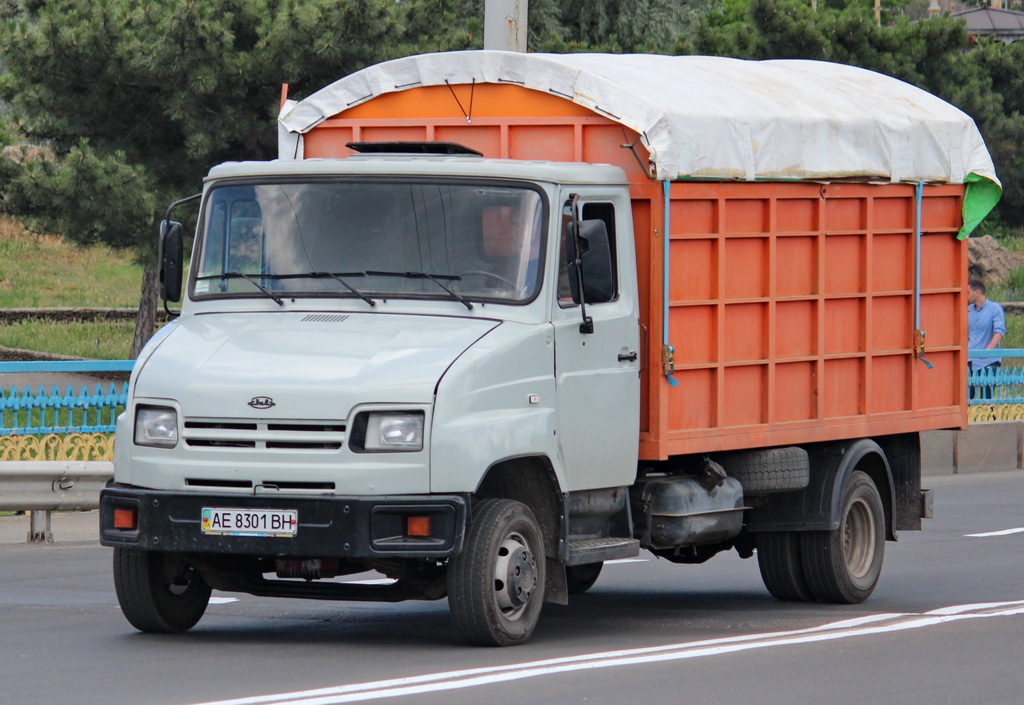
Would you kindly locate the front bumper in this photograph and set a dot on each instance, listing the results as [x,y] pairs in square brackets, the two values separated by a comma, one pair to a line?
[344,527]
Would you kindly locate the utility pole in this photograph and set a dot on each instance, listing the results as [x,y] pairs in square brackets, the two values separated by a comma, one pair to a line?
[505,25]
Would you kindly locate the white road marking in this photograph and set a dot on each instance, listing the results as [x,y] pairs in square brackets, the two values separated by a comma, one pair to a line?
[1004,532]
[468,678]
[222,600]
[626,560]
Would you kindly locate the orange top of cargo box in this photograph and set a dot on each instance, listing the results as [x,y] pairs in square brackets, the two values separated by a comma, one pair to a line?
[777,312]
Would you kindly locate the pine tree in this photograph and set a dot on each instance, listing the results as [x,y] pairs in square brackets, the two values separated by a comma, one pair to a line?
[986,82]
[132,102]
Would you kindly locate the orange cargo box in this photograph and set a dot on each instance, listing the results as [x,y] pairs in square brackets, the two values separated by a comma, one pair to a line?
[776,312]
[793,311]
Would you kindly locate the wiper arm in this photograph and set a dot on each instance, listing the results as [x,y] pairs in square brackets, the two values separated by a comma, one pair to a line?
[337,278]
[436,278]
[238,275]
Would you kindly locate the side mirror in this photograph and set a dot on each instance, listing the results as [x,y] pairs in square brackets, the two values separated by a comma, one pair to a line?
[171,253]
[596,258]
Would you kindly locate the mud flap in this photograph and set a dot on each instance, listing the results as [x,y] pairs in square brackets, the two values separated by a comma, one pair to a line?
[556,588]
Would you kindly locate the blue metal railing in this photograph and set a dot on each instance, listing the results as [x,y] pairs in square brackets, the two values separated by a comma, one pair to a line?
[1004,385]
[27,412]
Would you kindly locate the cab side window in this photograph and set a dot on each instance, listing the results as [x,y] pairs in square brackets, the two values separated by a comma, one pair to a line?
[591,211]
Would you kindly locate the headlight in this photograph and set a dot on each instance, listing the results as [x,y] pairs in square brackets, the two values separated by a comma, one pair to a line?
[156,426]
[392,431]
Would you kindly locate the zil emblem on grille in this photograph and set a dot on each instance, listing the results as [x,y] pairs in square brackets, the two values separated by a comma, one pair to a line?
[261,402]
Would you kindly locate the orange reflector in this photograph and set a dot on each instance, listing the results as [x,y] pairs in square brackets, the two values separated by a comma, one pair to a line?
[125,519]
[417,526]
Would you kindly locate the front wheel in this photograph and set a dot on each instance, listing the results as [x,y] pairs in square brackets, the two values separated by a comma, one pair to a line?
[843,566]
[496,585]
[157,592]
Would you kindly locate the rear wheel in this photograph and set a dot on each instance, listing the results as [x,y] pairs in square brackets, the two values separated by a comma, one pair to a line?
[157,592]
[782,568]
[580,578]
[496,585]
[844,565]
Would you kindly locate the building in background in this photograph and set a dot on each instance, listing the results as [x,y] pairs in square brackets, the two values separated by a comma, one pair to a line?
[1005,25]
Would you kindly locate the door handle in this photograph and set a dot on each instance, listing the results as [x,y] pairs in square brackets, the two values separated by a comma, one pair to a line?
[631,357]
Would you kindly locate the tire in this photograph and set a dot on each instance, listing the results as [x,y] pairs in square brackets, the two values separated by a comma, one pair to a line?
[157,595]
[580,578]
[771,470]
[782,567]
[496,585]
[843,566]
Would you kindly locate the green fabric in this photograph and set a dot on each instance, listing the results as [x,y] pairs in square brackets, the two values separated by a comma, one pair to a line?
[980,197]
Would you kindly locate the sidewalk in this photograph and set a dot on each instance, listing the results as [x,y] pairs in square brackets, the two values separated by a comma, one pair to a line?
[67,527]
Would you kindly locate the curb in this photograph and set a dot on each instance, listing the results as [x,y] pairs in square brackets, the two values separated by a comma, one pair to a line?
[984,446]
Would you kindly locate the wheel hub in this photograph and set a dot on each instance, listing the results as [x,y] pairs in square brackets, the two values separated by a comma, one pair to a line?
[859,539]
[515,575]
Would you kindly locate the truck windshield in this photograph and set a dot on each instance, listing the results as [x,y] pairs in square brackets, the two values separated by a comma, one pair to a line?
[372,240]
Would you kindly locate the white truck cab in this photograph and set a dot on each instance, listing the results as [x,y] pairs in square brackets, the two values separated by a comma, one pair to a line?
[374,355]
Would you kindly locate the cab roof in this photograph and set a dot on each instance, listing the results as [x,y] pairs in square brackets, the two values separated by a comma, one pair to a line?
[390,164]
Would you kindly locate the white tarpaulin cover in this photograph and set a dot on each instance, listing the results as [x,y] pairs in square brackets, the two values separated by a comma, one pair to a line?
[714,117]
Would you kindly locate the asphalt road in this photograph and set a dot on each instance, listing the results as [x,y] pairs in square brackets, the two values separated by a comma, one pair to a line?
[944,626]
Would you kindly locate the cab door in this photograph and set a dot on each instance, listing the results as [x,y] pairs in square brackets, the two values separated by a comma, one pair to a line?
[597,362]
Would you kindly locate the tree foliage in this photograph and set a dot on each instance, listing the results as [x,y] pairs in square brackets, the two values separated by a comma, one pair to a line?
[127,104]
[132,102]
[617,26]
[986,81]
[135,100]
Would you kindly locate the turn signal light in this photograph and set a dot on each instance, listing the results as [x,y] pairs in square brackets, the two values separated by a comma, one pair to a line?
[417,526]
[125,519]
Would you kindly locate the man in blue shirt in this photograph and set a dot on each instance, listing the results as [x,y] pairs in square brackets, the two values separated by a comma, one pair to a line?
[986,327]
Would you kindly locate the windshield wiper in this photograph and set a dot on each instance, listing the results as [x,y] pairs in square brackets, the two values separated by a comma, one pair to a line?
[238,275]
[337,277]
[432,277]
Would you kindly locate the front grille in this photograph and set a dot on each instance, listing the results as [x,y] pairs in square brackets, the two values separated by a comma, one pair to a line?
[219,484]
[262,435]
[214,483]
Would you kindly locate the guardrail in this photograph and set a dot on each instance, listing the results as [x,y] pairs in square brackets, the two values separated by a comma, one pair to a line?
[43,487]
[42,424]
[50,486]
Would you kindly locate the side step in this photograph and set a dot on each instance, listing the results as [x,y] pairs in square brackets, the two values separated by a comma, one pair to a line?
[583,551]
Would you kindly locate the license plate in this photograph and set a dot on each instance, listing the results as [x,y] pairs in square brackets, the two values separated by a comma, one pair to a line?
[219,521]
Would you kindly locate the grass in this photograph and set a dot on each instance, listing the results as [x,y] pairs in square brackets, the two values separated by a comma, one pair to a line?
[38,271]
[1013,243]
[43,270]
[101,341]
[1014,338]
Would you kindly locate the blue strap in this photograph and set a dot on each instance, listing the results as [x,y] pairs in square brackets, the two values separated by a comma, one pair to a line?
[664,314]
